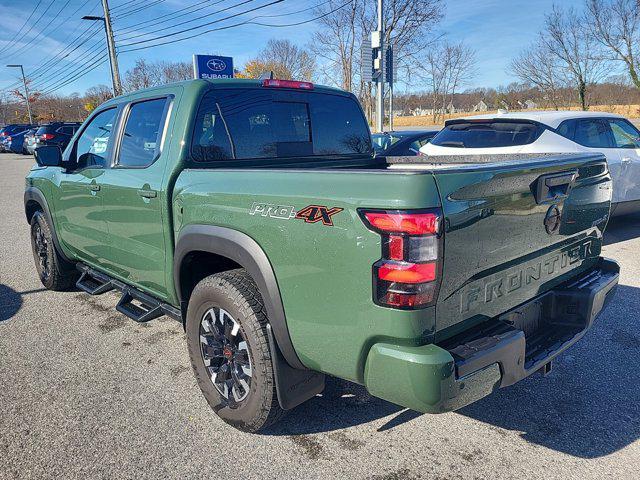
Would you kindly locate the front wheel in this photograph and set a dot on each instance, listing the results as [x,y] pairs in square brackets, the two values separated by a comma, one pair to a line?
[229,350]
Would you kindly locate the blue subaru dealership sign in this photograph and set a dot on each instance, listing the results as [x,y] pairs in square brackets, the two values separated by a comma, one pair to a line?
[212,66]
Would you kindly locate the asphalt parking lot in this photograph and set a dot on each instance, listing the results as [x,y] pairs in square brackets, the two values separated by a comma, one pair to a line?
[87,393]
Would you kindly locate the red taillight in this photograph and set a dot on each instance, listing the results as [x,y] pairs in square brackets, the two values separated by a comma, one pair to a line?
[47,136]
[406,276]
[411,224]
[407,272]
[275,83]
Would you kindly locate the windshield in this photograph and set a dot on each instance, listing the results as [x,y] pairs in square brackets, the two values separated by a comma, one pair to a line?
[382,141]
[487,134]
[265,123]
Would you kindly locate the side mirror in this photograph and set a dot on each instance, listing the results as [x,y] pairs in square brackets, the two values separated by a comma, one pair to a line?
[48,156]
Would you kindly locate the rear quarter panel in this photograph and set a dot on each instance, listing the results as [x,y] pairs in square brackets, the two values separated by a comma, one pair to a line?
[324,272]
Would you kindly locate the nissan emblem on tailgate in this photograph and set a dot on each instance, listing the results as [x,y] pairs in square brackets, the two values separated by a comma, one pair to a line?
[552,220]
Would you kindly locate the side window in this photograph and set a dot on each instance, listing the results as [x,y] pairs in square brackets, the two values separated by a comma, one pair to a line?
[140,144]
[91,147]
[567,129]
[593,134]
[414,148]
[625,135]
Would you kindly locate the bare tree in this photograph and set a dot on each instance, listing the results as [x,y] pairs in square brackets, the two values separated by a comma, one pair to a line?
[337,43]
[446,68]
[95,96]
[146,74]
[538,66]
[566,38]
[287,60]
[409,24]
[616,25]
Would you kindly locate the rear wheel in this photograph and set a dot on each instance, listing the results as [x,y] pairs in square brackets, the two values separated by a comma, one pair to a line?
[55,273]
[229,350]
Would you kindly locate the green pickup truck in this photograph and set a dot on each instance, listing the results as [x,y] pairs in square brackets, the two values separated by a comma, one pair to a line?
[255,213]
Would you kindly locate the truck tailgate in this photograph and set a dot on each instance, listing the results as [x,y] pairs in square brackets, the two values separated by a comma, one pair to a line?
[513,230]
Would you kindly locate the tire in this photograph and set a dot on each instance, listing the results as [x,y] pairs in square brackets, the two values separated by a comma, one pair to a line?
[219,305]
[54,271]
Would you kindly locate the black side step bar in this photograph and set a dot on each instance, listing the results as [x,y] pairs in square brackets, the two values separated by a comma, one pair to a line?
[135,304]
[94,283]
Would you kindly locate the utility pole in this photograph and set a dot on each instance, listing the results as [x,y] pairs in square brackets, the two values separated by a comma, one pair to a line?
[111,46]
[26,91]
[379,44]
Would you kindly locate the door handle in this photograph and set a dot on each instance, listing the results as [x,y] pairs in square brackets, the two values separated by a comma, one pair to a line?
[147,193]
[94,187]
[626,160]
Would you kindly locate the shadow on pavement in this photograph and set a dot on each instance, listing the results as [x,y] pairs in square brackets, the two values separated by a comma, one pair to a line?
[588,407]
[622,228]
[11,301]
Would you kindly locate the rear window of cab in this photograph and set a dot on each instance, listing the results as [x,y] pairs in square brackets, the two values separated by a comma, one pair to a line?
[487,134]
[243,124]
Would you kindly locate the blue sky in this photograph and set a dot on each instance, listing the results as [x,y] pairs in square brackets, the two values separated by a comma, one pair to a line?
[497,29]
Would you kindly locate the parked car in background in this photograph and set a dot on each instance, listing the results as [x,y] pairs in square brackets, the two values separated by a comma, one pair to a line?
[57,133]
[14,127]
[9,130]
[15,141]
[552,132]
[29,142]
[401,143]
[4,140]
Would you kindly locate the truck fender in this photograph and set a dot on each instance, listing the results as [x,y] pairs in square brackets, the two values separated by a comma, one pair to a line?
[295,383]
[32,194]
[246,252]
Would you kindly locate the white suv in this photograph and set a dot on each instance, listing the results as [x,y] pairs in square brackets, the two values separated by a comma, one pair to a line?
[551,132]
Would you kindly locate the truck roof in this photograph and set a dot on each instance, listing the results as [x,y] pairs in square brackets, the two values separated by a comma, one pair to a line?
[199,84]
[550,118]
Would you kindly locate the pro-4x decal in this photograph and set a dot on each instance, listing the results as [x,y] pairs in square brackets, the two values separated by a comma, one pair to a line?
[310,213]
[317,213]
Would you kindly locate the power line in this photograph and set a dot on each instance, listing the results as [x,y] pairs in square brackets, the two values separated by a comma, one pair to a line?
[42,30]
[87,70]
[144,7]
[295,24]
[185,22]
[197,27]
[246,22]
[69,17]
[10,42]
[70,74]
[170,14]
[67,71]
[35,74]
[122,5]
[35,23]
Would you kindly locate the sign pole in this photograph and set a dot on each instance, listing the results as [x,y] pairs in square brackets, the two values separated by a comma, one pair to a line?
[380,68]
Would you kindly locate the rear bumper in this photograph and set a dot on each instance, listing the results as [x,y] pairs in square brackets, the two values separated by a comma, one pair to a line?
[498,353]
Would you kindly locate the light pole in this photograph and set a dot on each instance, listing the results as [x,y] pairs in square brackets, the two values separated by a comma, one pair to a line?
[113,59]
[26,91]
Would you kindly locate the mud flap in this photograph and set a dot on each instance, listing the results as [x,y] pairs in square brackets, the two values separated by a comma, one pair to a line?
[294,386]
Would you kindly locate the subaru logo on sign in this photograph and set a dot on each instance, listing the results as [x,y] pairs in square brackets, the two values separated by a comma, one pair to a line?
[216,65]
[212,66]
